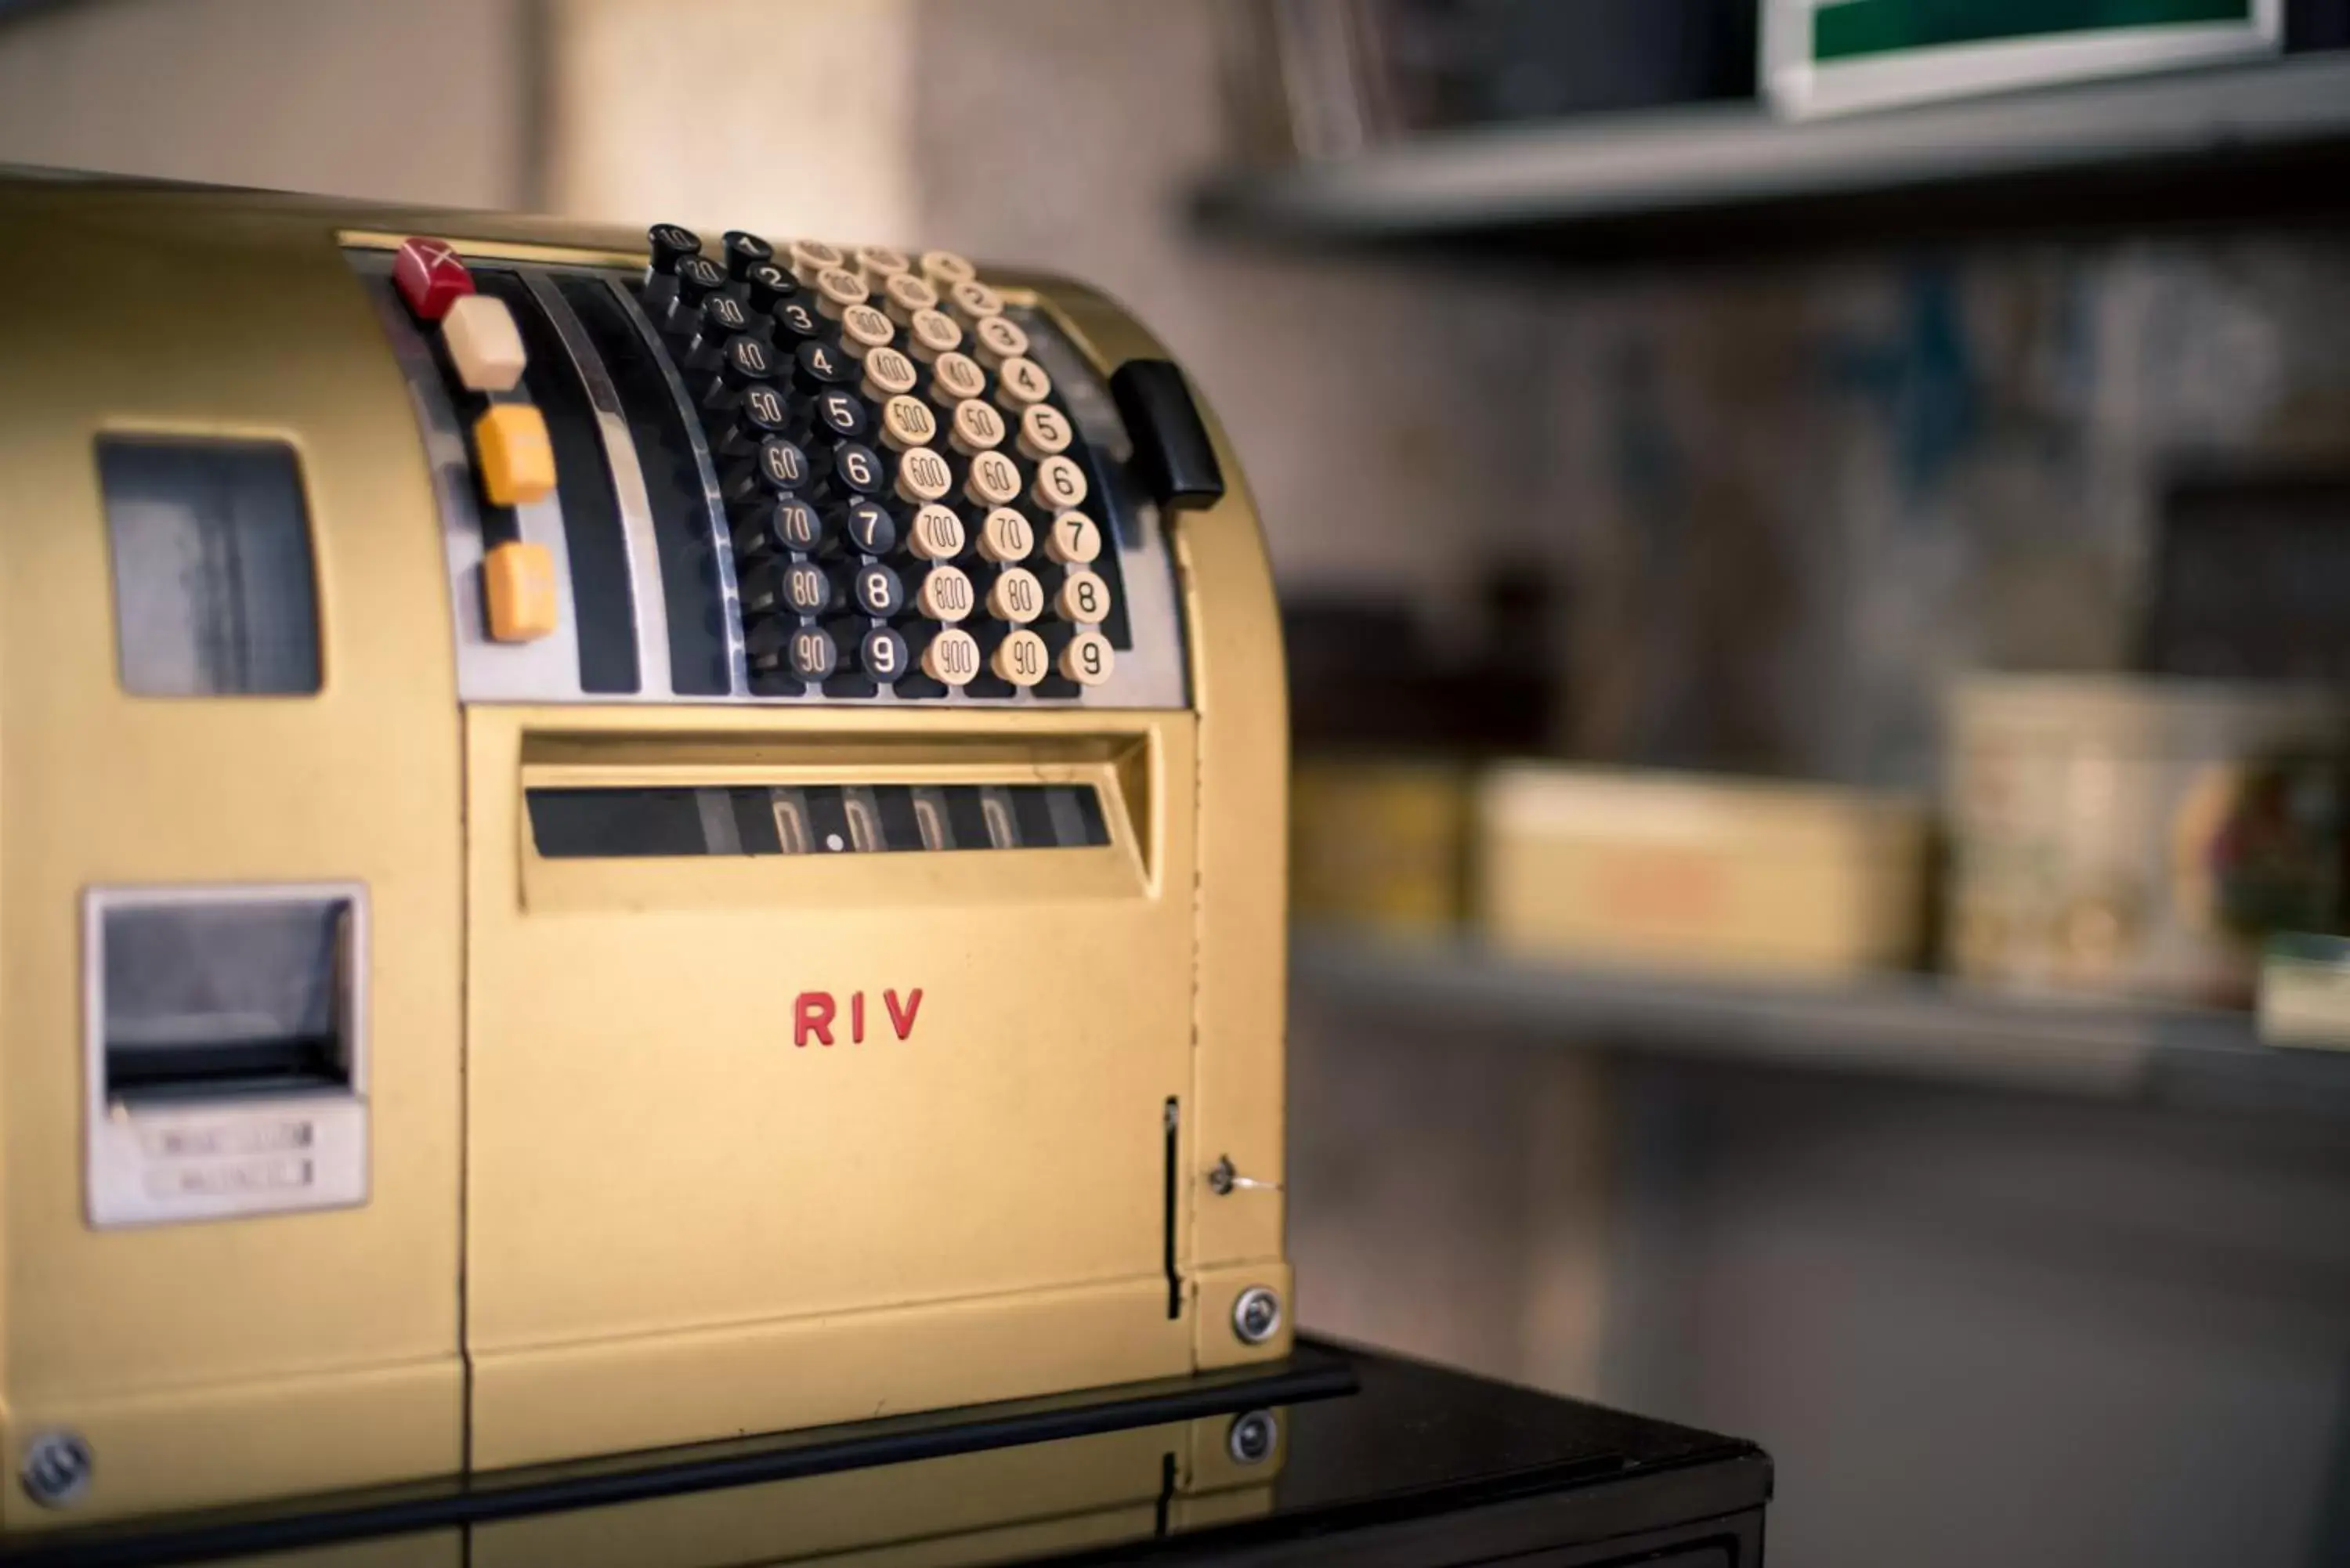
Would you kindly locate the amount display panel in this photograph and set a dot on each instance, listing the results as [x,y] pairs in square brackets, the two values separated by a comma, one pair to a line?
[636,823]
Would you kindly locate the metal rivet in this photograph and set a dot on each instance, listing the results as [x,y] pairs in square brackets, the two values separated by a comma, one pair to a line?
[56,1469]
[1256,1316]
[1252,1438]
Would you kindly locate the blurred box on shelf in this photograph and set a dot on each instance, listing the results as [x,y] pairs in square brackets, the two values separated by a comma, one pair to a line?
[1831,57]
[1695,873]
[1378,844]
[1311,80]
[1367,677]
[2139,837]
[2249,570]
[2305,991]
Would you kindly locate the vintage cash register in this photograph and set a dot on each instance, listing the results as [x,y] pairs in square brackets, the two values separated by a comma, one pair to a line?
[607,840]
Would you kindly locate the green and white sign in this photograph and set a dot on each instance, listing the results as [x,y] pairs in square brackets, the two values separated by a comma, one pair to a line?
[1826,57]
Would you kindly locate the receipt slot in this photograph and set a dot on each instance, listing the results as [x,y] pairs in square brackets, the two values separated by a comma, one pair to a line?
[225,1050]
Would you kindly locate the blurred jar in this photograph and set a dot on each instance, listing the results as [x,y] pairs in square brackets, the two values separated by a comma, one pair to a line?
[2140,837]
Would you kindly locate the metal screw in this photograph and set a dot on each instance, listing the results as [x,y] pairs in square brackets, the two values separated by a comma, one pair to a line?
[1252,1440]
[1224,1180]
[1256,1316]
[56,1469]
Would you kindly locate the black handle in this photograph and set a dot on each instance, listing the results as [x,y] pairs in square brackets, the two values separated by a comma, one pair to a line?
[1171,450]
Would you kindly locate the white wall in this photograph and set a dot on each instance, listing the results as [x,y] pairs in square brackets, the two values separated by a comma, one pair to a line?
[425,101]
[784,117]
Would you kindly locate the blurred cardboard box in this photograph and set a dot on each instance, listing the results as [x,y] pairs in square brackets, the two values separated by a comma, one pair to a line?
[1697,873]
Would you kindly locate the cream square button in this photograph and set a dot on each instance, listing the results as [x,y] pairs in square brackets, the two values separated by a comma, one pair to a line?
[483,343]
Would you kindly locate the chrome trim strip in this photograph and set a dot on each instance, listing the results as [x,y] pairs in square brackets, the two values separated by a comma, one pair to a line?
[722,545]
[648,605]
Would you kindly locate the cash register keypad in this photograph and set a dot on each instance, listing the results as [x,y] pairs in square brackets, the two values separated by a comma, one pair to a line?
[902,503]
[894,488]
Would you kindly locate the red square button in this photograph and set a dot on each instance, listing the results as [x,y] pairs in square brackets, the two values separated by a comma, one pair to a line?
[430,277]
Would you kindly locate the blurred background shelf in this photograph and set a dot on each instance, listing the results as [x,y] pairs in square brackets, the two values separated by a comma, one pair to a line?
[1915,1027]
[2207,145]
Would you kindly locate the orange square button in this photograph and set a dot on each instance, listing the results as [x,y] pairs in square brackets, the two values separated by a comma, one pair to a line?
[511,449]
[518,591]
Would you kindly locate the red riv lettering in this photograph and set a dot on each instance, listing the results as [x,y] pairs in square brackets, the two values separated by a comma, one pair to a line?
[901,1019]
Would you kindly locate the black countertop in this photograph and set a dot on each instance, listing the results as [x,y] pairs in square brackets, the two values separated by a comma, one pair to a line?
[1365,1457]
